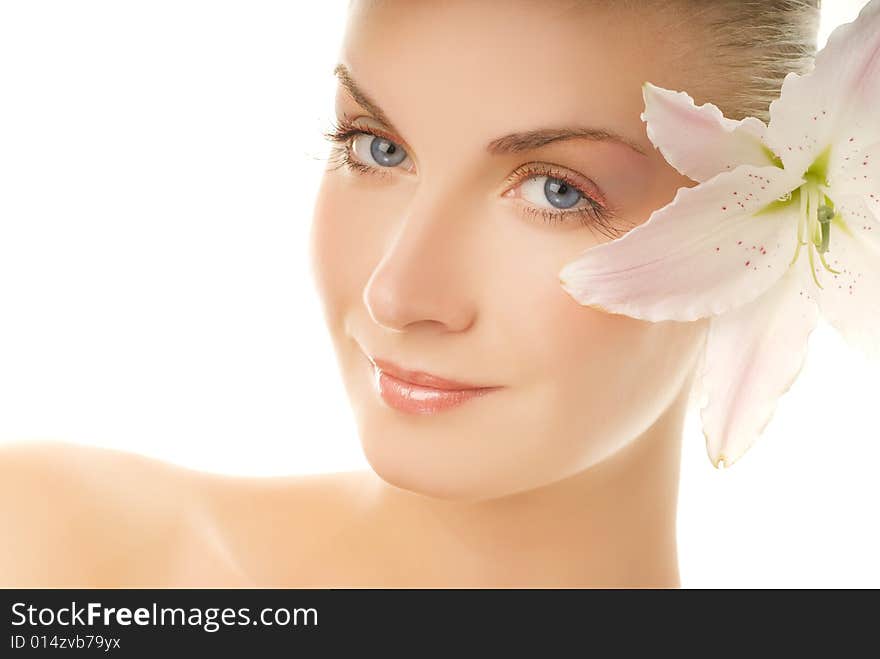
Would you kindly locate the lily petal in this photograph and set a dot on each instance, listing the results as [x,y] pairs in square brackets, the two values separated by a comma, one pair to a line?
[858,173]
[834,103]
[699,141]
[753,355]
[701,254]
[850,301]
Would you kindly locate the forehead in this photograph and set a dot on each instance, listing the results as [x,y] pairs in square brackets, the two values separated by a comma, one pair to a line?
[494,67]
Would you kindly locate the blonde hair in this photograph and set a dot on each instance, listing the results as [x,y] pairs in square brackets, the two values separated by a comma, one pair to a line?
[741,50]
[752,45]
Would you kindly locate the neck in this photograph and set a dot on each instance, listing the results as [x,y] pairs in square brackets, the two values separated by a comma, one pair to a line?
[611,525]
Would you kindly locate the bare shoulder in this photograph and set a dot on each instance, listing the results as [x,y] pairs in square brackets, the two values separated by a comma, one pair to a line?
[84,516]
[291,530]
[75,515]
[299,499]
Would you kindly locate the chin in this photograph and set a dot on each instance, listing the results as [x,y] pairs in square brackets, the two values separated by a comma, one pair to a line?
[419,463]
[427,455]
[422,476]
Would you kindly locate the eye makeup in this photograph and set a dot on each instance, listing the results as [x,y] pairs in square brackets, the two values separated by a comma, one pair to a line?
[594,212]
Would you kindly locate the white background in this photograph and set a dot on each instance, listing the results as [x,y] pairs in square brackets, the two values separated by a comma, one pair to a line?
[158,166]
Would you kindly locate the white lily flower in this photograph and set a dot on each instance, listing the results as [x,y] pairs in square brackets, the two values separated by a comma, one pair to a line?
[783,224]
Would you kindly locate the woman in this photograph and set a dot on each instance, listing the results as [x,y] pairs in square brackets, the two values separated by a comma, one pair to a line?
[478,149]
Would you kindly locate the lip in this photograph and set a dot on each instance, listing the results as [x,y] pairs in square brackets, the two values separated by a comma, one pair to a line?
[421,378]
[417,392]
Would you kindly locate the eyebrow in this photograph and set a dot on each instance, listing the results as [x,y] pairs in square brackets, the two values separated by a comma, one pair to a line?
[506,144]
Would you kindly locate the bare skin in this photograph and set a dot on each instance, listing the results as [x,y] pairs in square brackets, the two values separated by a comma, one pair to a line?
[567,476]
[128,520]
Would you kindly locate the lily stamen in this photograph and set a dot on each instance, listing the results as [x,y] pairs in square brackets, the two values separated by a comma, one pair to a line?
[815,220]
[800,231]
[824,216]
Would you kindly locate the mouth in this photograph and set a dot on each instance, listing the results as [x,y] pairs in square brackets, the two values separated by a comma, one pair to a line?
[418,392]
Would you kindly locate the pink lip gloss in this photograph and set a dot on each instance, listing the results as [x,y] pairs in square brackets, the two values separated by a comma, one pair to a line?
[417,399]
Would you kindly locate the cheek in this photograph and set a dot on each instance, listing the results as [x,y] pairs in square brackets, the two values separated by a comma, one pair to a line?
[599,379]
[556,337]
[591,358]
[341,248]
[617,375]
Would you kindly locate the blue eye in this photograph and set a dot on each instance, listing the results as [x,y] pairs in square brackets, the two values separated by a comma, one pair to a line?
[368,152]
[358,148]
[560,193]
[381,150]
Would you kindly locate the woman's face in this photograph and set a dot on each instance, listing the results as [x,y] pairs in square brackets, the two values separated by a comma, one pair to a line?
[443,255]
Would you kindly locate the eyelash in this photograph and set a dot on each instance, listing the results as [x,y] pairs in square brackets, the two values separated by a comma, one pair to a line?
[593,215]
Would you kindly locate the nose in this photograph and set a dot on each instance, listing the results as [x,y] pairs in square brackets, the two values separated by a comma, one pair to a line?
[423,277]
